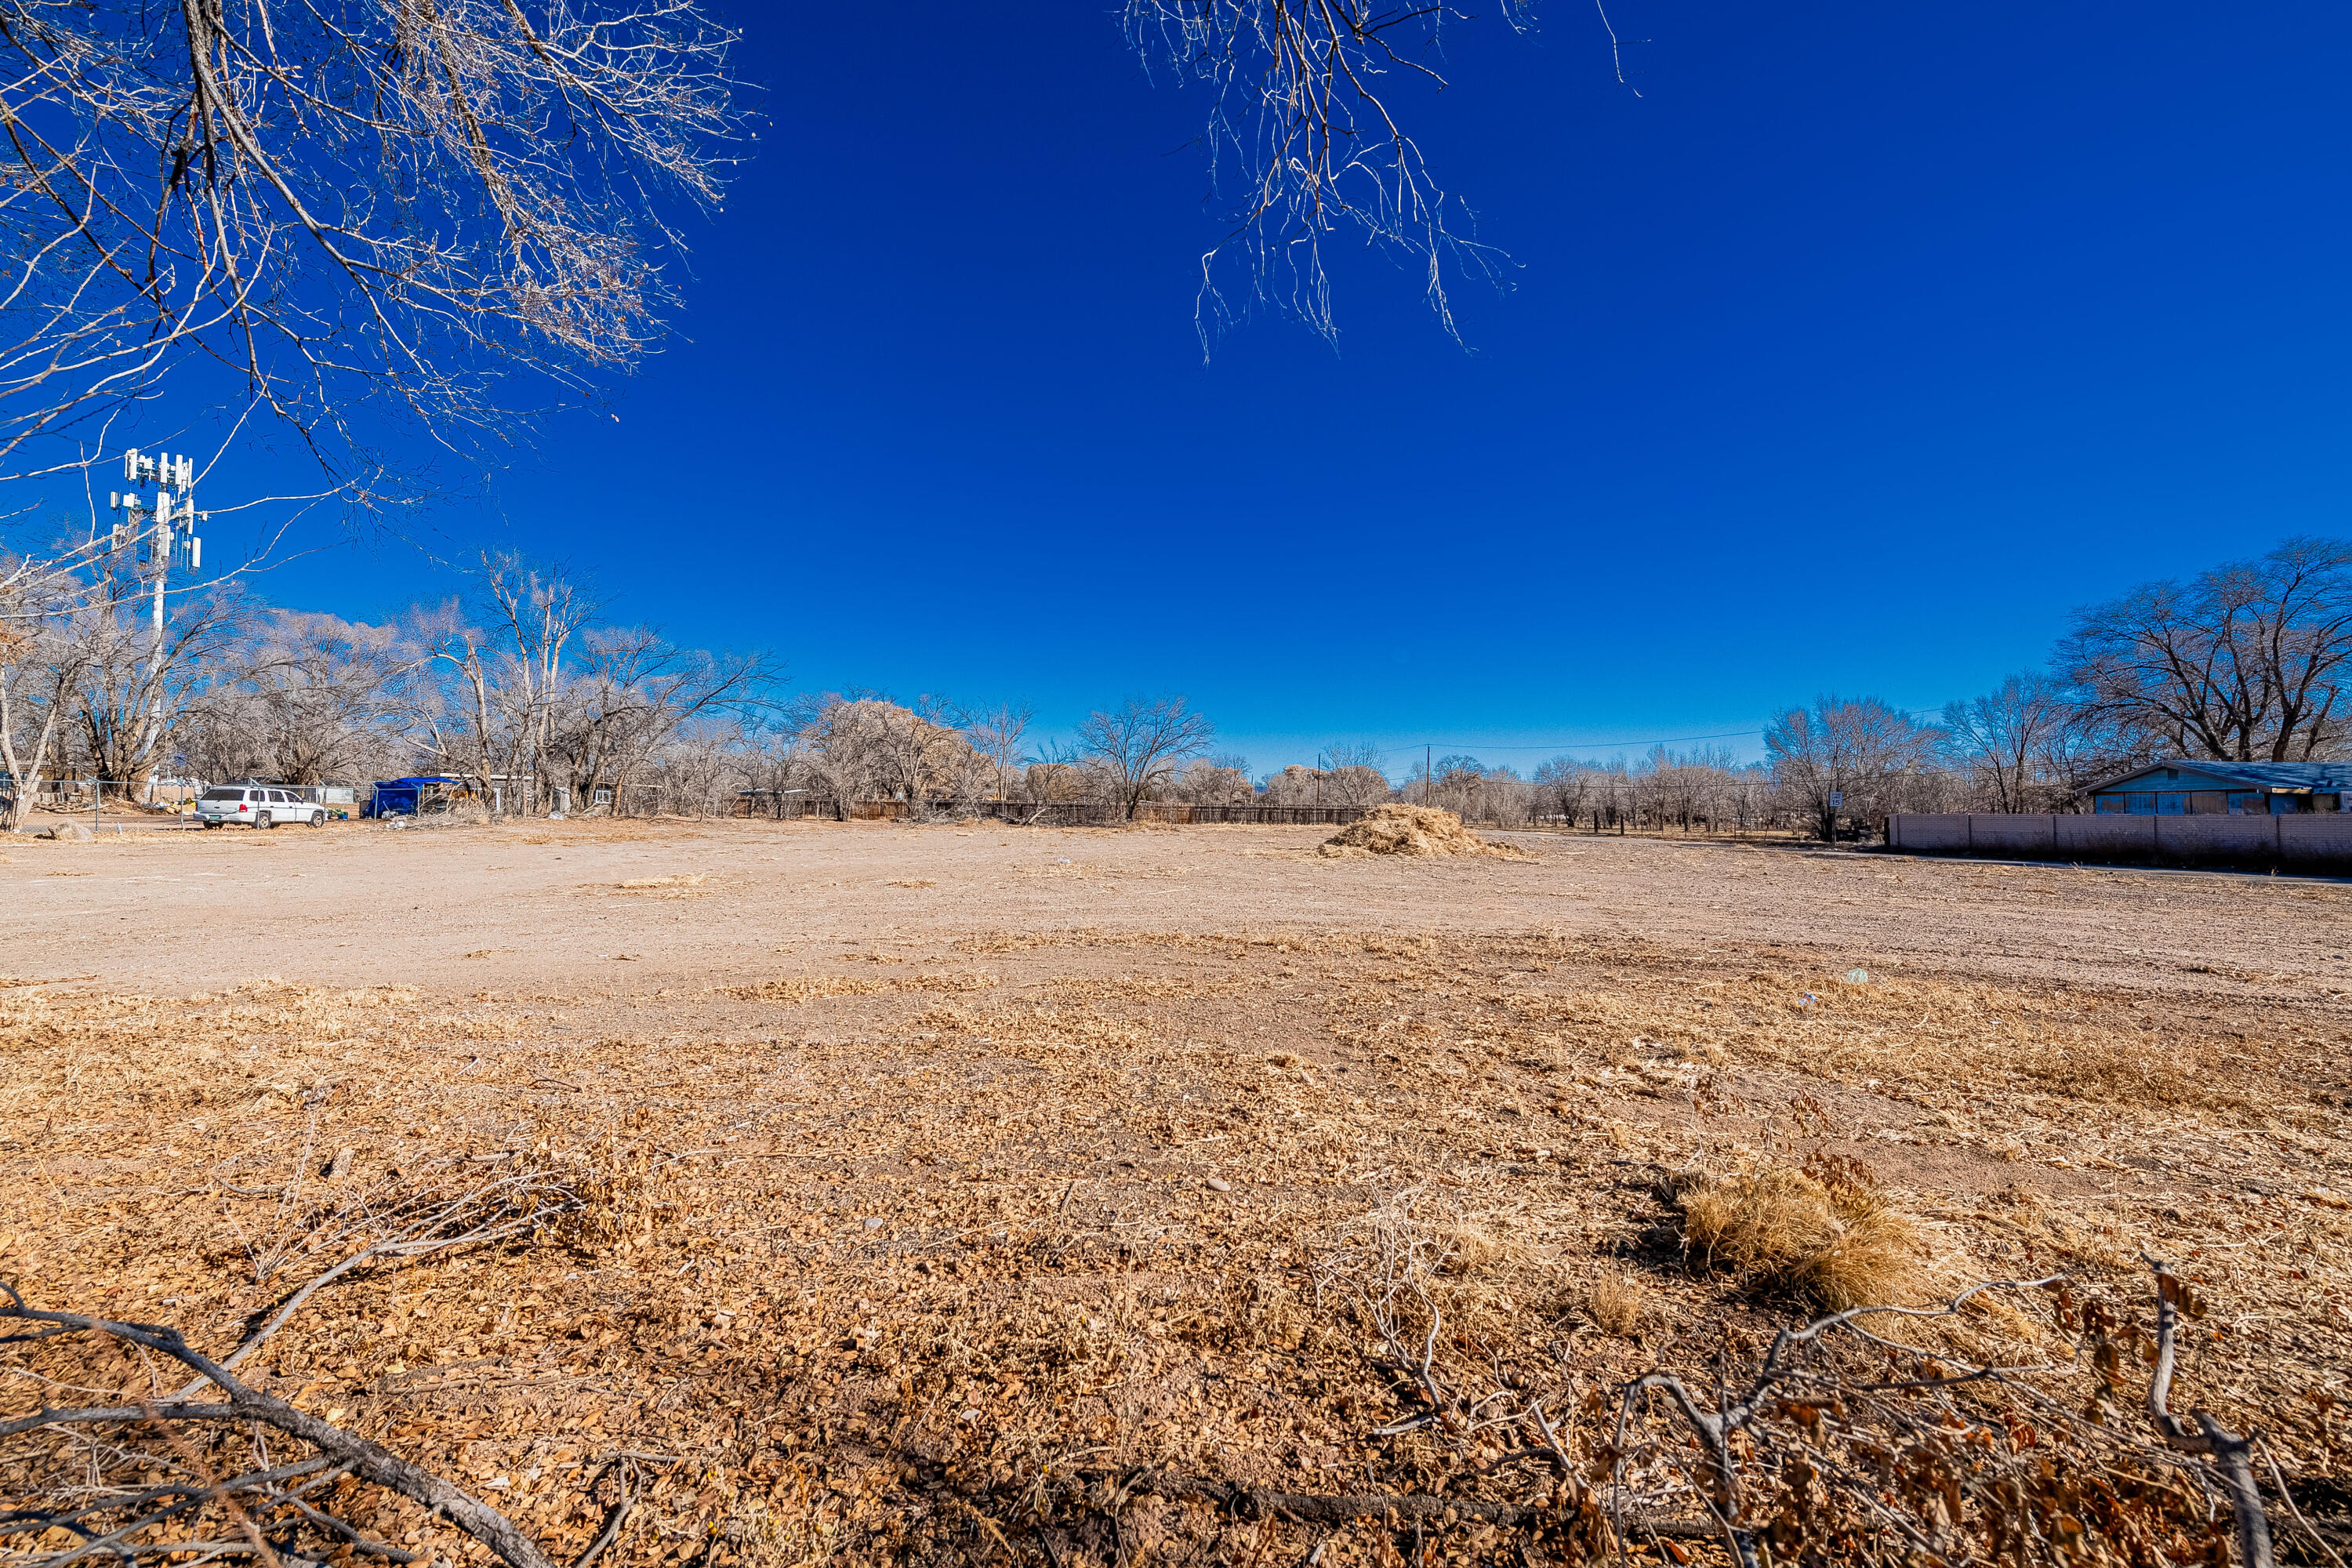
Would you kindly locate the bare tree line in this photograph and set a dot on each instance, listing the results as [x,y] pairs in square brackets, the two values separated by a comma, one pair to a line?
[532,695]
[526,692]
[841,750]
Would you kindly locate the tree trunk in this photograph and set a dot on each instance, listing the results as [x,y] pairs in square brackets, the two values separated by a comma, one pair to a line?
[24,780]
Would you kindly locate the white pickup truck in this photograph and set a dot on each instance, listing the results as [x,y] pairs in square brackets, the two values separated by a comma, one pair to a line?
[257,807]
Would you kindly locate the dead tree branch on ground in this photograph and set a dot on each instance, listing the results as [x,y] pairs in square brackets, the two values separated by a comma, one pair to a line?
[339,1453]
[2230,1457]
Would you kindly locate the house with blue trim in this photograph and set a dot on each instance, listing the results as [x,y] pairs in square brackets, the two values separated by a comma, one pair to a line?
[2196,789]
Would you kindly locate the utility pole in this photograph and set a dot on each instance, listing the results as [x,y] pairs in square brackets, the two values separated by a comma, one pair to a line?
[1428,760]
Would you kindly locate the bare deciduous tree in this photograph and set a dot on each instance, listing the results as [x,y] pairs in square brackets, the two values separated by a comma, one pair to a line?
[40,668]
[634,697]
[1563,787]
[315,699]
[134,685]
[1296,784]
[999,733]
[1353,774]
[2244,663]
[1469,788]
[863,746]
[1140,744]
[537,613]
[1216,781]
[1344,775]
[1861,748]
[1060,773]
[2005,735]
[453,717]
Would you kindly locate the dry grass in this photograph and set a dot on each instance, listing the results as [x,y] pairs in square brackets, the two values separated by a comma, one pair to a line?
[1937,1038]
[876,1267]
[1827,1233]
[656,884]
[1617,1303]
[805,988]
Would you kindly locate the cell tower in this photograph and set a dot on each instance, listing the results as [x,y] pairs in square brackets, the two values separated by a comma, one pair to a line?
[162,532]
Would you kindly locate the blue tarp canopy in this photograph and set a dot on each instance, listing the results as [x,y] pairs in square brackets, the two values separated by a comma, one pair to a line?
[401,797]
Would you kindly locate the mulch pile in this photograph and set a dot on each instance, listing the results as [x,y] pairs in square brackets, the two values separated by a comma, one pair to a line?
[1409,830]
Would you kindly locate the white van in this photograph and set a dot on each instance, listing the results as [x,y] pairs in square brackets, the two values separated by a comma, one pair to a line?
[256,806]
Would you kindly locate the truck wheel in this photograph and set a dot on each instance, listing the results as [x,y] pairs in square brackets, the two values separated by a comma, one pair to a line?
[318,819]
[264,820]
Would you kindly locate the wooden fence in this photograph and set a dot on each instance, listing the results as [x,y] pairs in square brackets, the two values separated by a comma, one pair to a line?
[2302,841]
[1282,816]
[781,806]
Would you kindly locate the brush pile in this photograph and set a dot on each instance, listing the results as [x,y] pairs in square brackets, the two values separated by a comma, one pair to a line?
[1398,829]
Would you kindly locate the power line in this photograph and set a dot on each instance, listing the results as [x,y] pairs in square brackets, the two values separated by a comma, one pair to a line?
[1567,745]
[1595,745]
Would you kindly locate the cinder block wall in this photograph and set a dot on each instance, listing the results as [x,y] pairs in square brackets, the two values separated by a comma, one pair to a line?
[2314,841]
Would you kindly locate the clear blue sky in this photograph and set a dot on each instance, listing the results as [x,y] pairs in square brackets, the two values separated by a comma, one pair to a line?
[1863,344]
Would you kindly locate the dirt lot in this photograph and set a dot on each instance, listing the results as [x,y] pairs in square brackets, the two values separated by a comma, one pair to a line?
[933,1183]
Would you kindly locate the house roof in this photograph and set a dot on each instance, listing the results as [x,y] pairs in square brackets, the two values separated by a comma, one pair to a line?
[2278,778]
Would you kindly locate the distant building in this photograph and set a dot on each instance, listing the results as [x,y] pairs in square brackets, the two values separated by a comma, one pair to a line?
[2196,789]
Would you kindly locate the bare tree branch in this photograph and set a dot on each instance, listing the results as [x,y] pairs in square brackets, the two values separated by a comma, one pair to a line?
[1303,143]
